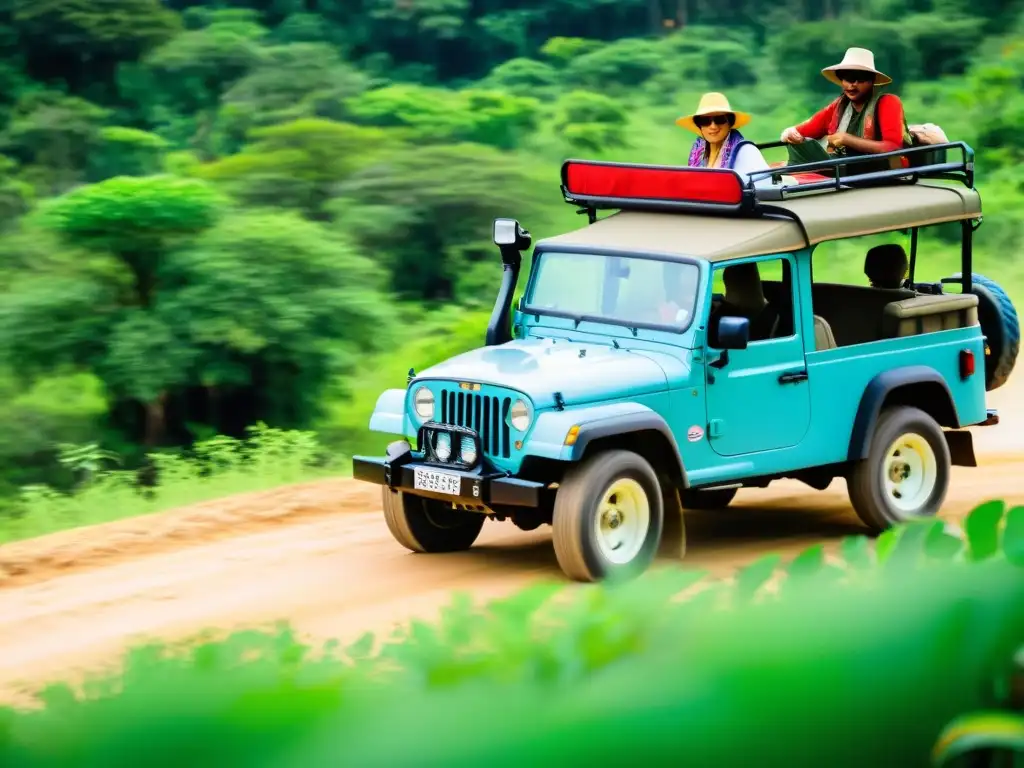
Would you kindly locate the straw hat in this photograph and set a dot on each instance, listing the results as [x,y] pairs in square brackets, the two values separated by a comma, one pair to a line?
[712,104]
[860,59]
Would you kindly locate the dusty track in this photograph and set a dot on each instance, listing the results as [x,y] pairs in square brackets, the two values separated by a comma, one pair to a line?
[320,556]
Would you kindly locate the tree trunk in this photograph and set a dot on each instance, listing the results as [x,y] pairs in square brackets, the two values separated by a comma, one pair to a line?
[155,421]
[654,16]
[682,13]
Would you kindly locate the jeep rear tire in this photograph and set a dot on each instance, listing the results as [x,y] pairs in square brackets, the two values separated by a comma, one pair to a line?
[427,525]
[906,472]
[608,517]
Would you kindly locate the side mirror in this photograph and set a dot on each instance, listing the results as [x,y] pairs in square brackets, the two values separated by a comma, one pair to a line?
[509,232]
[733,333]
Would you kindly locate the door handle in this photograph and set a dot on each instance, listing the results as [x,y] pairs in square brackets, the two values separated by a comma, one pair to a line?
[793,377]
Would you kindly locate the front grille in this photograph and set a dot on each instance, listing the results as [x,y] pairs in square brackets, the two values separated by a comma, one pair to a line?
[484,414]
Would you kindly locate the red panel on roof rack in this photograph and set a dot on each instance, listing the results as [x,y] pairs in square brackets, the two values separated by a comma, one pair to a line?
[651,182]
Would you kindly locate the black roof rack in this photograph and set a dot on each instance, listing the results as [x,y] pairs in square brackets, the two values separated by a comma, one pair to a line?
[600,185]
[962,170]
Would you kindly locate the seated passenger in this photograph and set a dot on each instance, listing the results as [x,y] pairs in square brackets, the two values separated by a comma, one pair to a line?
[720,143]
[744,297]
[861,121]
[886,266]
[680,291]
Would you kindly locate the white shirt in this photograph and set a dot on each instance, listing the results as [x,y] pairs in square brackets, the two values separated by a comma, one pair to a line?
[748,160]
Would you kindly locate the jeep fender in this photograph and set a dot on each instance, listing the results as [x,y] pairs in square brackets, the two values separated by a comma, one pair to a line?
[939,403]
[389,414]
[547,438]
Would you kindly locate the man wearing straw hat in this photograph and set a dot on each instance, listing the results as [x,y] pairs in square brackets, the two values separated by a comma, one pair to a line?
[861,121]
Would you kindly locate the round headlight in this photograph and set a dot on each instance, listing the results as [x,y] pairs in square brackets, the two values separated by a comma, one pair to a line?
[468,452]
[443,446]
[423,402]
[519,416]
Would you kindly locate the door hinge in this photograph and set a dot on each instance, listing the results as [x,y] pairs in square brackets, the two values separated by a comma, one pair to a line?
[715,428]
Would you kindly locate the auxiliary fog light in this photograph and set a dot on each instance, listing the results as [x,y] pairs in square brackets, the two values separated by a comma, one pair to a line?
[468,452]
[443,446]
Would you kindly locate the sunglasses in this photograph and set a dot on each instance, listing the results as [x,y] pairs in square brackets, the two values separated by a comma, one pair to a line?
[704,121]
[855,76]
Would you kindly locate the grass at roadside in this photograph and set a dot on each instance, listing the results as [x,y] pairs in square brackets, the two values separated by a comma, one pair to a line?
[217,467]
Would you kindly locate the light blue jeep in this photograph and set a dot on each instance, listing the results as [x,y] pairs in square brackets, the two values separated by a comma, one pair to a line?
[626,387]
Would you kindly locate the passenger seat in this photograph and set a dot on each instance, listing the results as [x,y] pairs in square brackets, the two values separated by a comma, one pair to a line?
[823,338]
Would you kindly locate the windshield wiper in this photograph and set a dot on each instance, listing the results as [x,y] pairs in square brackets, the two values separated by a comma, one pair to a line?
[633,326]
[531,310]
[610,321]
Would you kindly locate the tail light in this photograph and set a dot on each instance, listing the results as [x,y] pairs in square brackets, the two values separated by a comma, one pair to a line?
[966,363]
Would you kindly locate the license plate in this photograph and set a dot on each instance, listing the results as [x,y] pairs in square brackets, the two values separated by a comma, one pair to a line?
[438,482]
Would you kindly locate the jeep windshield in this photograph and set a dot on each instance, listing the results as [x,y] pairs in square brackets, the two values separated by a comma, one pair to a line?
[634,291]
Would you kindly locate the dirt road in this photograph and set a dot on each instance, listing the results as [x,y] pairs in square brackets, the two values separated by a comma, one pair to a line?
[320,556]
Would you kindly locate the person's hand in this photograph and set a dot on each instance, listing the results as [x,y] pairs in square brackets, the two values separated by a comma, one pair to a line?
[667,312]
[791,136]
[838,139]
[672,314]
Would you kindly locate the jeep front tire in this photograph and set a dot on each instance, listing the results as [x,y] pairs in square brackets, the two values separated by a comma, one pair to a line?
[427,525]
[906,472]
[608,517]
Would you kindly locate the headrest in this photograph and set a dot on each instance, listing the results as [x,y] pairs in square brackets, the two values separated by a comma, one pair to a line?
[886,265]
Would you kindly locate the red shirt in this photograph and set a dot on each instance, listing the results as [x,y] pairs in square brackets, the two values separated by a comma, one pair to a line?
[888,113]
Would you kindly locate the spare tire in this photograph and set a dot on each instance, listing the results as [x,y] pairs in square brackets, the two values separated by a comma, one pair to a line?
[1001,326]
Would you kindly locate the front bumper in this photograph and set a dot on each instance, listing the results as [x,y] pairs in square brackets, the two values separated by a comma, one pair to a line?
[398,471]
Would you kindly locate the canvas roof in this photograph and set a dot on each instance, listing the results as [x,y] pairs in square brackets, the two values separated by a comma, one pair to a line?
[825,215]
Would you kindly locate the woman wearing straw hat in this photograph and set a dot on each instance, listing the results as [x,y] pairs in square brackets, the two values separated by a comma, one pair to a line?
[861,121]
[719,143]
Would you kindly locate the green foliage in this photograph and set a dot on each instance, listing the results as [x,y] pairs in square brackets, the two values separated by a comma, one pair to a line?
[428,116]
[67,407]
[563,50]
[75,32]
[303,79]
[591,121]
[711,55]
[524,77]
[55,134]
[192,303]
[127,152]
[16,196]
[233,295]
[428,212]
[298,164]
[622,63]
[205,59]
[573,668]
[436,336]
[132,215]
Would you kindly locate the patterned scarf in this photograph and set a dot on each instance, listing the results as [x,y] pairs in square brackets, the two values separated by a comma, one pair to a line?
[699,152]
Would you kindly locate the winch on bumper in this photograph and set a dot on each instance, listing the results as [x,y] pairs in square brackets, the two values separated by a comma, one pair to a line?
[447,465]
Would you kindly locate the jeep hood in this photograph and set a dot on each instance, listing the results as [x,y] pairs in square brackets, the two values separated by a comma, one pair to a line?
[540,367]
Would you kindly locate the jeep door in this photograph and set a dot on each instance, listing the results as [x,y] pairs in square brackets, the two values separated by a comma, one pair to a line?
[759,400]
